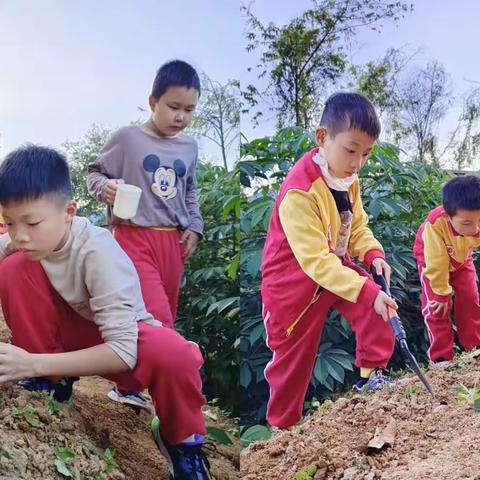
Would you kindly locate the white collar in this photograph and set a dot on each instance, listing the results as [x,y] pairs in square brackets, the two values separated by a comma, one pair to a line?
[333,182]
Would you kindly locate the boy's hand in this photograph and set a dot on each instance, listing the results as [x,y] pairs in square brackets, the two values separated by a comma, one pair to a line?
[15,363]
[381,303]
[190,239]
[111,189]
[438,309]
[382,268]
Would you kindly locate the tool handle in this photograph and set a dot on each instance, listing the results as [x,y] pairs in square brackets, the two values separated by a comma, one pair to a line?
[380,280]
[395,321]
[399,332]
[398,329]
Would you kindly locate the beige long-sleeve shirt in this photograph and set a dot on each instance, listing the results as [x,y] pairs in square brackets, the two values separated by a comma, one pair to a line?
[98,280]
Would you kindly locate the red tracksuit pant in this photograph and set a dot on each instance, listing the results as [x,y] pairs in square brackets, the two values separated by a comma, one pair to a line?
[466,311]
[168,366]
[288,373]
[158,258]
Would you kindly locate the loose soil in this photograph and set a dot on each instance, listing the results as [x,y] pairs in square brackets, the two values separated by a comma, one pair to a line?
[89,426]
[435,438]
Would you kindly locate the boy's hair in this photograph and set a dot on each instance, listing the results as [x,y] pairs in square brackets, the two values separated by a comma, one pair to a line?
[346,110]
[175,73]
[31,172]
[461,193]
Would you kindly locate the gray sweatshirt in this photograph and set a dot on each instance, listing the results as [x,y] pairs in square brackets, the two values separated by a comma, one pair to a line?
[163,167]
[98,280]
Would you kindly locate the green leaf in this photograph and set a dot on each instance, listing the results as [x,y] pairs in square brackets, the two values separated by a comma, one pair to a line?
[462,389]
[245,375]
[63,469]
[320,371]
[302,476]
[374,208]
[336,371]
[109,459]
[232,203]
[32,419]
[312,470]
[255,434]
[219,435]
[260,374]
[221,305]
[64,453]
[29,414]
[233,312]
[232,268]
[5,452]
[343,361]
[253,264]
[256,333]
[155,427]
[329,383]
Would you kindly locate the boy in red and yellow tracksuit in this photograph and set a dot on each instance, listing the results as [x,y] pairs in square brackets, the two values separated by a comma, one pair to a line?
[317,225]
[443,250]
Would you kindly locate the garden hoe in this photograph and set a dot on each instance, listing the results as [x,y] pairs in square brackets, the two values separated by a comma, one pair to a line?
[400,335]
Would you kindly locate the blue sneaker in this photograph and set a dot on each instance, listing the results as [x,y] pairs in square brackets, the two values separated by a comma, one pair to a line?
[376,381]
[135,399]
[186,461]
[62,391]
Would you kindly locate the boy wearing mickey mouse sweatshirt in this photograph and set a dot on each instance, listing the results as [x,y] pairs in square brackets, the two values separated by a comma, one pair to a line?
[157,157]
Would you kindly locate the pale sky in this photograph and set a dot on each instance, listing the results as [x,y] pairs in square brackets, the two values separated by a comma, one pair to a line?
[66,65]
[445,30]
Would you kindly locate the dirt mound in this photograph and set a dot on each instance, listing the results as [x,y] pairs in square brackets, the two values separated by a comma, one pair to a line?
[40,439]
[433,438]
[127,432]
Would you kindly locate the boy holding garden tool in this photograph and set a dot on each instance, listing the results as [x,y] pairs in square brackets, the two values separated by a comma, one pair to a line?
[443,250]
[317,225]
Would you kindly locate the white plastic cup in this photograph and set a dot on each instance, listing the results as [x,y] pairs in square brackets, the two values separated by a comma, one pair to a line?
[126,201]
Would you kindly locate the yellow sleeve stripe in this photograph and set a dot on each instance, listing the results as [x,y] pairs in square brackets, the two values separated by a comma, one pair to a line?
[306,235]
[436,261]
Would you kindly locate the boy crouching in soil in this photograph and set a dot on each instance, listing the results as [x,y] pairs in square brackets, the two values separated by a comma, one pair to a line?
[72,300]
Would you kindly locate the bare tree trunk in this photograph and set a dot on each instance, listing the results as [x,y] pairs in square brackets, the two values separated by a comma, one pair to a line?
[222,138]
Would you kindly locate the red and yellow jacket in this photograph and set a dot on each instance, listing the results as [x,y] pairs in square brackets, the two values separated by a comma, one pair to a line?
[441,250]
[298,255]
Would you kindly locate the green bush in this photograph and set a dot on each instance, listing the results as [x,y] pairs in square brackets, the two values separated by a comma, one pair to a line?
[209,302]
[396,195]
[81,154]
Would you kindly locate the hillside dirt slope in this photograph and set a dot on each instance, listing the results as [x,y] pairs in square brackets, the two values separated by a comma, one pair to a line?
[435,438]
[89,426]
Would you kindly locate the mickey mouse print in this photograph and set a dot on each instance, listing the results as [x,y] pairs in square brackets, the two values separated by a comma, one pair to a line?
[165,178]
[163,167]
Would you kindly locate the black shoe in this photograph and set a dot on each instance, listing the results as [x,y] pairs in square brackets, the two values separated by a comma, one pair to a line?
[62,391]
[186,460]
[376,381]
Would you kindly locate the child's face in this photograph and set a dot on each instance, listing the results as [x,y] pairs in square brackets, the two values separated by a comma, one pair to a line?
[346,153]
[172,112]
[39,227]
[466,222]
